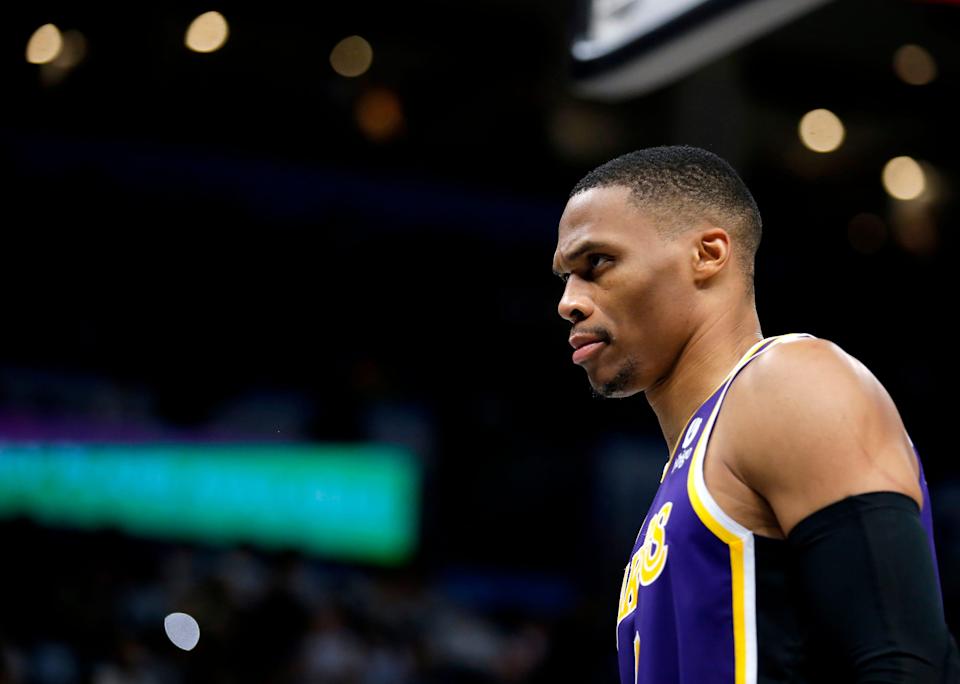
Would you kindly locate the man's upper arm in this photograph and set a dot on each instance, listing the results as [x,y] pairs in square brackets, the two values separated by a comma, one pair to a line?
[815,426]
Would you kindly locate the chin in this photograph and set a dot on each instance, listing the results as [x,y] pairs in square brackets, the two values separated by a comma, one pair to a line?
[607,393]
[620,386]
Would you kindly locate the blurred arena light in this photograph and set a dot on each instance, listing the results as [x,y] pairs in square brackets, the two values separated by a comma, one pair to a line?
[350,501]
[903,178]
[624,48]
[915,219]
[914,226]
[914,65]
[207,33]
[351,57]
[182,629]
[44,45]
[379,114]
[72,53]
[935,186]
[821,130]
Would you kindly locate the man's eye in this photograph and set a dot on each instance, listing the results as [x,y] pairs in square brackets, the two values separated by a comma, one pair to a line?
[597,259]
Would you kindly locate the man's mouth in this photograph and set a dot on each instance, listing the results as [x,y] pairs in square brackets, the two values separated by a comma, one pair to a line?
[585,345]
[581,354]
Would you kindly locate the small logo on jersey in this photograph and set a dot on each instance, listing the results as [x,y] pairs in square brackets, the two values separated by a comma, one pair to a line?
[691,432]
[682,458]
[647,563]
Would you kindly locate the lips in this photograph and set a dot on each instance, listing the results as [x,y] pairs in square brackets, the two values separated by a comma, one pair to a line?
[585,345]
[583,353]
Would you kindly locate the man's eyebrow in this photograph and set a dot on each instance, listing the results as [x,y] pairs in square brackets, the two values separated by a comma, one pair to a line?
[580,250]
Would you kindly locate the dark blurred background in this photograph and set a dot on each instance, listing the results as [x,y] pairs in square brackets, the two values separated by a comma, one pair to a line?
[246,246]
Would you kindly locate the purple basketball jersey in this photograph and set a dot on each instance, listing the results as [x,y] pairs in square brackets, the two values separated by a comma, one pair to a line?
[688,604]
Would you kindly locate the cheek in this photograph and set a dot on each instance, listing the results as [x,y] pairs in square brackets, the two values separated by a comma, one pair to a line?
[647,297]
[653,316]
[643,305]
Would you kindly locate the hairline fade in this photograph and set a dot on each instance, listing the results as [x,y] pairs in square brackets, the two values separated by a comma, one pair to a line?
[681,184]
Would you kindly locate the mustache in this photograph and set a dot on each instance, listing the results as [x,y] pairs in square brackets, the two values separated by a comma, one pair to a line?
[600,333]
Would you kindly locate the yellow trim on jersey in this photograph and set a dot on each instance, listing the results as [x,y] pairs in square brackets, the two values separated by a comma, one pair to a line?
[736,573]
[636,657]
[736,540]
[732,540]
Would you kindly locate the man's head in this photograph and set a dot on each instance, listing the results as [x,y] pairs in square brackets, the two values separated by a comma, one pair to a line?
[648,243]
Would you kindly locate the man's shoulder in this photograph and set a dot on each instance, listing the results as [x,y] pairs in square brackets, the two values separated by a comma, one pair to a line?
[794,351]
[798,389]
[805,394]
[809,424]
[803,369]
[810,419]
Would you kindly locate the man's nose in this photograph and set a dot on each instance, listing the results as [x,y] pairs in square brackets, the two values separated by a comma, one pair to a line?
[575,305]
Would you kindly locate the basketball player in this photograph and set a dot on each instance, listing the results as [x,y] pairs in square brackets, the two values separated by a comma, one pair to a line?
[790,539]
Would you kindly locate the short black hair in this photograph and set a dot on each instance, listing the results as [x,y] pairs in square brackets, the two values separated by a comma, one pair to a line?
[678,184]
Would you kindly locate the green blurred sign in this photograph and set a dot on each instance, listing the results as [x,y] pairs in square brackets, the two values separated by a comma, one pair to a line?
[351,502]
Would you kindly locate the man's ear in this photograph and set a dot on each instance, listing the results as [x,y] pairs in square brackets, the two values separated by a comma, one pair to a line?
[710,252]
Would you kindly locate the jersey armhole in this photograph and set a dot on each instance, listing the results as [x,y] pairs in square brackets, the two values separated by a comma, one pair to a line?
[710,513]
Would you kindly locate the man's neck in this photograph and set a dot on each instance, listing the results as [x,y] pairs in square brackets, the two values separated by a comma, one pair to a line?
[704,361]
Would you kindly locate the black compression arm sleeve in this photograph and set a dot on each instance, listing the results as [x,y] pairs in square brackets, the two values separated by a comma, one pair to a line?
[868,581]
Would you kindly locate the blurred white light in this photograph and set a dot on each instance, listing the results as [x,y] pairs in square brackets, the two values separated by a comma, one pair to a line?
[44,45]
[914,65]
[207,33]
[182,630]
[903,178]
[821,130]
[351,57]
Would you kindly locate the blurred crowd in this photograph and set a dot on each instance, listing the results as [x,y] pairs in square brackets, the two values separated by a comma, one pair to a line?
[79,606]
[91,608]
